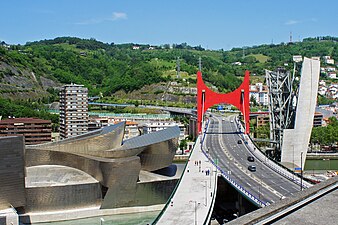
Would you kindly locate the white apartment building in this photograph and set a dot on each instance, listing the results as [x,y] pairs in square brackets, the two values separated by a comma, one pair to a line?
[73,110]
[260,93]
[157,126]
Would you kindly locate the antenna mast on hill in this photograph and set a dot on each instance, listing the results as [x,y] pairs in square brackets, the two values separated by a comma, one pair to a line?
[290,36]
[178,67]
[200,64]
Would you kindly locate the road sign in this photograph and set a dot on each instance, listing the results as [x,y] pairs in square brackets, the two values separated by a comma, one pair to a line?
[298,170]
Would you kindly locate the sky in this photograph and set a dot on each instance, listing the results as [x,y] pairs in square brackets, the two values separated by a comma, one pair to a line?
[213,24]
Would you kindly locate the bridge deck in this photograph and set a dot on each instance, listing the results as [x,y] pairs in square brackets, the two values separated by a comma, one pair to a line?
[193,200]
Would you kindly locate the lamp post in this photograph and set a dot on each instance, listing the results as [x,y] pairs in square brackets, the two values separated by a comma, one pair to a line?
[210,174]
[206,194]
[101,221]
[202,119]
[195,210]
[301,171]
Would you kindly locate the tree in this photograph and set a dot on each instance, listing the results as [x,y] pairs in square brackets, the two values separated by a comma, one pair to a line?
[183,145]
[253,100]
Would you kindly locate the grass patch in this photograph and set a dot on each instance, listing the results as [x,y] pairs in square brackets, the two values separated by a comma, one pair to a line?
[260,57]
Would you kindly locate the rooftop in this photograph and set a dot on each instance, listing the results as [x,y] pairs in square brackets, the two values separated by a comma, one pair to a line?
[23,120]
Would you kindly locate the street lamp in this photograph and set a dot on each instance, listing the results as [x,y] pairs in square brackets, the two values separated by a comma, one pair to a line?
[101,221]
[195,210]
[301,171]
[206,195]
[210,174]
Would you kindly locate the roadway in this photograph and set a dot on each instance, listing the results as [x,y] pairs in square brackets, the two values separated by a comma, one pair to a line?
[222,144]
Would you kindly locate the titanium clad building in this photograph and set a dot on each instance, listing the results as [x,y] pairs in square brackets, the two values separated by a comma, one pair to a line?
[12,172]
[73,110]
[105,169]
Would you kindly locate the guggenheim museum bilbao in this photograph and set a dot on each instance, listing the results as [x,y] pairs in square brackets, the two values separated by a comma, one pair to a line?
[96,169]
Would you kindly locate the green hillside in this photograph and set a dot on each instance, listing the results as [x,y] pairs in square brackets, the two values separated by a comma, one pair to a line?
[33,70]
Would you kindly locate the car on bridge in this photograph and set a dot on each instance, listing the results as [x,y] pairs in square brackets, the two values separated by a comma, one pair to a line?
[252,168]
[239,142]
[251,158]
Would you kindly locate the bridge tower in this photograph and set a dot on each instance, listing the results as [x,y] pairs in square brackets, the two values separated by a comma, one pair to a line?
[238,98]
[281,105]
[292,111]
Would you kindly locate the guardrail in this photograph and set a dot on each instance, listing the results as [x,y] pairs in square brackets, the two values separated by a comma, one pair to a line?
[232,182]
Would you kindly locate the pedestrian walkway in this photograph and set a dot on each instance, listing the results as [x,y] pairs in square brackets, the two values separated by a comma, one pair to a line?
[193,200]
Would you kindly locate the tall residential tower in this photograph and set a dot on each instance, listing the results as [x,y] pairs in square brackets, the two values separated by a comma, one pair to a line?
[73,110]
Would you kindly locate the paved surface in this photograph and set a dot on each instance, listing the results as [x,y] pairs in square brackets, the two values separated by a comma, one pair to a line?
[193,199]
[222,144]
[322,209]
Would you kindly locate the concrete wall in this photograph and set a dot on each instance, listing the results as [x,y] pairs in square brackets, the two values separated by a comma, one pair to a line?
[12,172]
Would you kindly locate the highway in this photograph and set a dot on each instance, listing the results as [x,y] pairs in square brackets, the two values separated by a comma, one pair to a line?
[221,143]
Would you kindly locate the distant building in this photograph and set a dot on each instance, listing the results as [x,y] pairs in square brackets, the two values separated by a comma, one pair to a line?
[260,93]
[262,120]
[73,110]
[322,90]
[95,123]
[35,131]
[328,60]
[297,58]
[131,130]
[237,63]
[157,126]
[318,119]
[332,75]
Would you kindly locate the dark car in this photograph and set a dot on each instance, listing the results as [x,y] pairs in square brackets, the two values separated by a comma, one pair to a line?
[252,168]
[251,159]
[239,142]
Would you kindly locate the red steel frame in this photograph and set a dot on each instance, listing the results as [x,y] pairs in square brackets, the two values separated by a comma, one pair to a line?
[238,98]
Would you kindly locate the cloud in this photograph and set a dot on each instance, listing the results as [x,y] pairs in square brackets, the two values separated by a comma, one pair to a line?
[114,17]
[292,22]
[119,16]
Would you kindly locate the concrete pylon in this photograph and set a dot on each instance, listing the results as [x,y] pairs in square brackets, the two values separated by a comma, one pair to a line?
[296,141]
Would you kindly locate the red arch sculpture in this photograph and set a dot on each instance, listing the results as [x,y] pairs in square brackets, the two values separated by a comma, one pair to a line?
[238,98]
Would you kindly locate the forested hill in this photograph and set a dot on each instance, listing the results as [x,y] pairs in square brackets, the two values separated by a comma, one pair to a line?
[34,69]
